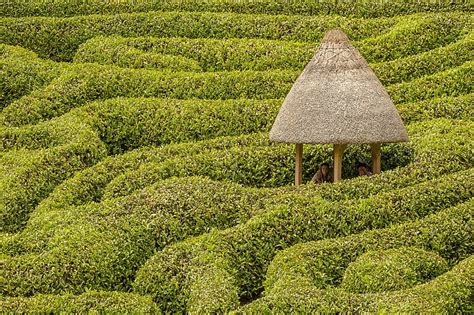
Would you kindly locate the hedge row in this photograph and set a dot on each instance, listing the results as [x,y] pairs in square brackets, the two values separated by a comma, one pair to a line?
[90,302]
[274,166]
[448,293]
[267,166]
[17,8]
[59,38]
[109,50]
[257,165]
[125,124]
[430,62]
[21,71]
[85,83]
[208,54]
[415,35]
[392,269]
[245,251]
[88,185]
[30,175]
[305,277]
[434,157]
[459,107]
[103,244]
[128,123]
[452,82]
[91,184]
[257,54]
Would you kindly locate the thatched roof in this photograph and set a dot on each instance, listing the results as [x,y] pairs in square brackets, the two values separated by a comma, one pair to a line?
[338,99]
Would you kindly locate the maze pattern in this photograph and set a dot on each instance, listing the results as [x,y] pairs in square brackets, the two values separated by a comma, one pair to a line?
[137,174]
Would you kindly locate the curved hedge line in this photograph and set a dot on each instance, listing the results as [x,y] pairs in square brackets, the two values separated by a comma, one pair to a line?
[90,302]
[452,82]
[245,251]
[209,54]
[112,51]
[32,166]
[89,184]
[316,268]
[85,83]
[59,38]
[17,8]
[458,107]
[125,124]
[92,183]
[103,244]
[258,54]
[21,71]
[414,35]
[426,63]
[273,166]
[435,156]
[392,269]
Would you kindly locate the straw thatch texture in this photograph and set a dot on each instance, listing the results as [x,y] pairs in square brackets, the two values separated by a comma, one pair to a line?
[338,99]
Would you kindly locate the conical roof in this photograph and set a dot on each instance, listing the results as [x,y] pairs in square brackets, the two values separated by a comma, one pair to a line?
[338,99]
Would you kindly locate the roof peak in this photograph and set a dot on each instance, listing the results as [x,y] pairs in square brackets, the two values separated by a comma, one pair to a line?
[335,36]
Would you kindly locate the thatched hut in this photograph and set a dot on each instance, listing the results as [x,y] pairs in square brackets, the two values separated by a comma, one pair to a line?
[339,100]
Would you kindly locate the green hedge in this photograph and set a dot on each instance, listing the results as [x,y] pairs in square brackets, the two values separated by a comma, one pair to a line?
[427,63]
[246,250]
[257,54]
[267,166]
[449,293]
[32,166]
[459,107]
[59,38]
[366,9]
[435,158]
[21,71]
[85,83]
[305,277]
[452,82]
[392,269]
[90,302]
[414,35]
[103,244]
[209,54]
[274,166]
[111,50]
[89,184]
[125,124]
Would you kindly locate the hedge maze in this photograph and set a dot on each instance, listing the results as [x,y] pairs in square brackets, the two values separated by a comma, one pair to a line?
[136,173]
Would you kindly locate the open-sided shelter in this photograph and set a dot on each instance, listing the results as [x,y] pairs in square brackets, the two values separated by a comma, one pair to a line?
[338,100]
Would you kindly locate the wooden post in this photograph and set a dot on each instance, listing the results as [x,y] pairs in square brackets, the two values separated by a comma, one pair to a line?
[299,164]
[338,153]
[376,161]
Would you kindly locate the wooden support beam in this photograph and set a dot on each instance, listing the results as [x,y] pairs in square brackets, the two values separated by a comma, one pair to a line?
[338,153]
[299,164]
[376,158]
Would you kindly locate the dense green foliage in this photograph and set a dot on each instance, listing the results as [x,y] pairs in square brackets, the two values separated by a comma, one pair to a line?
[137,174]
[316,269]
[255,242]
[365,9]
[100,302]
[392,269]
